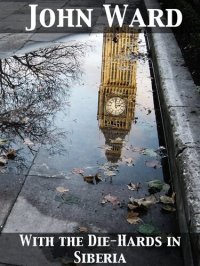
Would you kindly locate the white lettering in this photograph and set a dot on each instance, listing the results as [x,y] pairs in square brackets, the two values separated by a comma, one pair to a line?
[87,20]
[169,16]
[153,18]
[69,17]
[137,18]
[52,18]
[33,18]
[116,13]
[98,258]
[25,239]
[173,241]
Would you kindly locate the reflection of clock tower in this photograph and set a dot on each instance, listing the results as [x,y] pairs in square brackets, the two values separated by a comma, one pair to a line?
[116,103]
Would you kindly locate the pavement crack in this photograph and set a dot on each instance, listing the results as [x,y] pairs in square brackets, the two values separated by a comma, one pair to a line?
[178,106]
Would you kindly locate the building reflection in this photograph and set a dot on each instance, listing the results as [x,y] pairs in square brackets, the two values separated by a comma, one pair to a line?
[117,92]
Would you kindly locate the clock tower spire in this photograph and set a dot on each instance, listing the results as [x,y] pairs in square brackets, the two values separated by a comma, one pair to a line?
[117,92]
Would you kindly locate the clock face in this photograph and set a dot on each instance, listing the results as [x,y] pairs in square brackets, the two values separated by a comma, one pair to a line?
[115,106]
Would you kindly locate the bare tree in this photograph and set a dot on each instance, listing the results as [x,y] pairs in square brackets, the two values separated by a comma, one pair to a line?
[33,87]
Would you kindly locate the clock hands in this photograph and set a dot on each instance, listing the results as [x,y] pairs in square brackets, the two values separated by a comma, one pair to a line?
[115,106]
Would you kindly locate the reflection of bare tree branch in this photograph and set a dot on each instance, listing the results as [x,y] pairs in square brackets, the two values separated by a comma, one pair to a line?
[32,87]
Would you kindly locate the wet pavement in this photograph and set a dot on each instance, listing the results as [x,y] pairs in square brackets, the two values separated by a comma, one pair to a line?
[78,127]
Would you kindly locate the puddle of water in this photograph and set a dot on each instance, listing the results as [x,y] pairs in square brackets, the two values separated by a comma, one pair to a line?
[102,125]
[90,144]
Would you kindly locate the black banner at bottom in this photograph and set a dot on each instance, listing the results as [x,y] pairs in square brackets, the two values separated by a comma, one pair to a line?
[90,249]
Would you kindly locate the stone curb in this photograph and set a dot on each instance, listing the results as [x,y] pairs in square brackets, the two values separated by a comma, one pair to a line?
[180,108]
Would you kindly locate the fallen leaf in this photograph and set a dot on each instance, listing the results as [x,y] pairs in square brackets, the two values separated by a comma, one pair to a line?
[77,171]
[165,187]
[89,179]
[132,218]
[155,186]
[112,199]
[168,208]
[174,196]
[167,200]
[134,187]
[162,151]
[11,154]
[153,164]
[3,142]
[62,189]
[28,142]
[83,229]
[144,202]
[3,161]
[104,201]
[92,179]
[98,178]
[149,111]
[132,206]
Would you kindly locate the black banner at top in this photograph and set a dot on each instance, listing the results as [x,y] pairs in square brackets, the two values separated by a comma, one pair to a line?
[86,16]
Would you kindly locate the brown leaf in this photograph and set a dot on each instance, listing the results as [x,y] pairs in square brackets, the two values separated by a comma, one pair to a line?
[112,199]
[11,154]
[167,200]
[149,111]
[144,202]
[168,208]
[98,178]
[174,196]
[89,179]
[132,206]
[62,189]
[83,229]
[134,187]
[77,171]
[132,218]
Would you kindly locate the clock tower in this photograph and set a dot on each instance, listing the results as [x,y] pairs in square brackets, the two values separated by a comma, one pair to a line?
[117,92]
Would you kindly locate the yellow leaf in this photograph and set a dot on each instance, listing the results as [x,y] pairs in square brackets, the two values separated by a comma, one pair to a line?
[133,218]
[62,189]
[83,229]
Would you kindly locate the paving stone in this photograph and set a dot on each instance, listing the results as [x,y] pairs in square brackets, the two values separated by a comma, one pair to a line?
[180,104]
[10,186]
